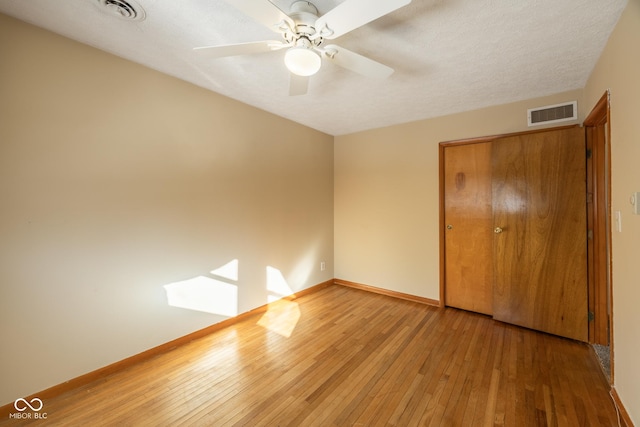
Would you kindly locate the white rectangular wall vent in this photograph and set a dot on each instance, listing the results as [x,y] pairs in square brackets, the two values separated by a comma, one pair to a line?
[552,113]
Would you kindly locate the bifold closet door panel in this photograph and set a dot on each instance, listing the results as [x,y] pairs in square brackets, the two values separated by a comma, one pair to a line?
[540,232]
[468,227]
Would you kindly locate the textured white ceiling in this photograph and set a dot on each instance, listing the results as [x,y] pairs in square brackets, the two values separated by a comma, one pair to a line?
[449,55]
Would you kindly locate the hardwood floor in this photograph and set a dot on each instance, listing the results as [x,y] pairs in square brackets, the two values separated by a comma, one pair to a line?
[346,357]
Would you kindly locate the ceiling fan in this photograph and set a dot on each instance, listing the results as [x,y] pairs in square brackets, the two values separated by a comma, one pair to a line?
[304,33]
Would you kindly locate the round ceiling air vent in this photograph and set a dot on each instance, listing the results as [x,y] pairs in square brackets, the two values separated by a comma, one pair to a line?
[124,9]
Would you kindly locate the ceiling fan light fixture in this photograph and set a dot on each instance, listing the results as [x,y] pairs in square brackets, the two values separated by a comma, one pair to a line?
[302,61]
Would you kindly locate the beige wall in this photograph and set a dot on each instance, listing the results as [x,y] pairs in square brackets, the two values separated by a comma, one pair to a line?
[619,70]
[386,194]
[116,180]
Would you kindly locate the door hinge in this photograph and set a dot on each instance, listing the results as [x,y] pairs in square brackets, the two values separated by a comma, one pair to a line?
[591,316]
[588,153]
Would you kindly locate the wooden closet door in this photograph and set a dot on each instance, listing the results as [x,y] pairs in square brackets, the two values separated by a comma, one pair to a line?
[468,227]
[540,244]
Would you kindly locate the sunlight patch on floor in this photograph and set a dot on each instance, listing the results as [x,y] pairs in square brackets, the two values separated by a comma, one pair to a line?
[282,314]
[281,317]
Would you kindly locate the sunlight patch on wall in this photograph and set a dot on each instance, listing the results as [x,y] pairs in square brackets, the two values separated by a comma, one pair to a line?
[204,294]
[228,271]
[282,315]
[276,283]
[207,294]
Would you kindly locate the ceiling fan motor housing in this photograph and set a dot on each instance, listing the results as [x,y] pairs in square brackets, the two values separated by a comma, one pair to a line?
[305,15]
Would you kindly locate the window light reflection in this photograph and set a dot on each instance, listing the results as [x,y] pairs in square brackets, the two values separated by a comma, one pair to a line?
[228,271]
[207,294]
[282,314]
[204,294]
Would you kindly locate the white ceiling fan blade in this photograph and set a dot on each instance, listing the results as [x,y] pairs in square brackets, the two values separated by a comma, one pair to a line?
[298,85]
[357,63]
[241,48]
[352,14]
[264,12]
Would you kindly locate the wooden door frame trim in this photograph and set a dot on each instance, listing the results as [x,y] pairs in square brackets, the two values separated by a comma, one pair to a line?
[601,112]
[600,115]
[466,141]
[488,138]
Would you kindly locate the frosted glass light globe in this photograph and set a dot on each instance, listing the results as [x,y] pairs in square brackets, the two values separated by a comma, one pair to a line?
[302,61]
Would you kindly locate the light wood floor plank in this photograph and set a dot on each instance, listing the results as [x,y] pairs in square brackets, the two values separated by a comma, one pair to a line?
[352,358]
